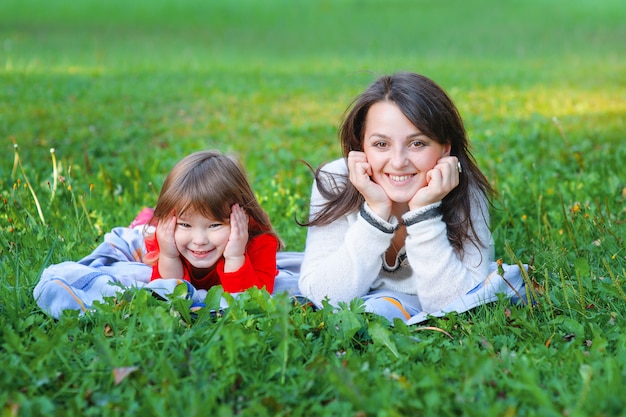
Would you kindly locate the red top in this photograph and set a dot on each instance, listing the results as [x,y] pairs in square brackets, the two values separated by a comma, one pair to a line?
[259,269]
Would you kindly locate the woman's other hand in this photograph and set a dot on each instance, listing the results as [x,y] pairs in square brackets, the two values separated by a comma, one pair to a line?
[443,178]
[360,176]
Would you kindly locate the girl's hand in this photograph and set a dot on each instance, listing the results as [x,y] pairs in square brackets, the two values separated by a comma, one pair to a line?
[360,176]
[443,178]
[165,237]
[238,239]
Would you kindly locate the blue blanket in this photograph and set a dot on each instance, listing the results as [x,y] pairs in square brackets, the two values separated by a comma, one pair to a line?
[116,265]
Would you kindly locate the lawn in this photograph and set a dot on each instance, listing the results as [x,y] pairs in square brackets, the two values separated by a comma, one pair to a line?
[98,100]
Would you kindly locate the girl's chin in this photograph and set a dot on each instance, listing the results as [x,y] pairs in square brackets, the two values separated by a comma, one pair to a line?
[203,269]
[205,263]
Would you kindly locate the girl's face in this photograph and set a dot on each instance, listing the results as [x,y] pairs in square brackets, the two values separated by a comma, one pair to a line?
[399,154]
[201,240]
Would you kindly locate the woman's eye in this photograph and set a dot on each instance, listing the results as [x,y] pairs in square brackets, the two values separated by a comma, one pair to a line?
[417,144]
[380,145]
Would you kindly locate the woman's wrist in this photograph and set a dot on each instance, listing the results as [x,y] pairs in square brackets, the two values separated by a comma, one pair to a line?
[378,222]
[384,212]
[421,214]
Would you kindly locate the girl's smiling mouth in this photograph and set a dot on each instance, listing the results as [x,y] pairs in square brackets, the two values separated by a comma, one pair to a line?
[200,253]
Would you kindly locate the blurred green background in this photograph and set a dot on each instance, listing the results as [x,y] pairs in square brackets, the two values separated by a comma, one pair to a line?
[122,90]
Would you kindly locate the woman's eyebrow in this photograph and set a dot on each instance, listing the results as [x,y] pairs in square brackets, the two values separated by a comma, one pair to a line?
[383,136]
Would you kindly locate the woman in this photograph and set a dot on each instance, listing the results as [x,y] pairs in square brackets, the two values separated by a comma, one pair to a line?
[402,220]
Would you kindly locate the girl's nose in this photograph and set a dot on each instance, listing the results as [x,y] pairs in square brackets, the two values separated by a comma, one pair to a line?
[200,237]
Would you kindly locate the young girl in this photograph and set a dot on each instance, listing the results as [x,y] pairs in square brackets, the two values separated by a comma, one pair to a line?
[210,229]
[402,220]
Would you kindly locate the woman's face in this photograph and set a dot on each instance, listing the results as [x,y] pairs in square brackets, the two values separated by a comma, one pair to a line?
[399,154]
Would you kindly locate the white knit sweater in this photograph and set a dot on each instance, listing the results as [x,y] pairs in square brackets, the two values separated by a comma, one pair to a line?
[345,259]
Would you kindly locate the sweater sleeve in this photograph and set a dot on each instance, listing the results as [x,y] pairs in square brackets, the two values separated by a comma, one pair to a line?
[341,259]
[258,270]
[441,274]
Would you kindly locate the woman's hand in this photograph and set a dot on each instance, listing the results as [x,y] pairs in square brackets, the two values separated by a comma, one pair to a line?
[443,178]
[165,237]
[235,250]
[360,176]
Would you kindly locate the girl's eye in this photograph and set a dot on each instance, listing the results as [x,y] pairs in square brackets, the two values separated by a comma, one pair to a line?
[417,144]
[183,224]
[215,225]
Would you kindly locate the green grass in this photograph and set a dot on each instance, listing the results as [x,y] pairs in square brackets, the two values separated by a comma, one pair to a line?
[122,90]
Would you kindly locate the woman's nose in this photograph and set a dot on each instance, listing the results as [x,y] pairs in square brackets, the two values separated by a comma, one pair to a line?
[399,158]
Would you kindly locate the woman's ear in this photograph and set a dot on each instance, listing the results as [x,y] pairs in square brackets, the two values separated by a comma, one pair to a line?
[446,149]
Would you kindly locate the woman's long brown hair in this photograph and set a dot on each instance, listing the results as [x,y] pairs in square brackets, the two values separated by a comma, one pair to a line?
[432,111]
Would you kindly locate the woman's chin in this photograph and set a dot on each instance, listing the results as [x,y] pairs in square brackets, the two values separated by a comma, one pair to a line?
[401,198]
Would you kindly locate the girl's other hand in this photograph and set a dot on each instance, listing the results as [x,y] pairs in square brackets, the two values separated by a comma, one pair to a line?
[238,239]
[165,237]
[443,178]
[360,176]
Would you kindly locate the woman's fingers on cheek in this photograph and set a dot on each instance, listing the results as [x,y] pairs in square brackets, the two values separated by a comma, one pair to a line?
[360,169]
[430,174]
[356,155]
[367,168]
[435,178]
[448,160]
[446,169]
[452,162]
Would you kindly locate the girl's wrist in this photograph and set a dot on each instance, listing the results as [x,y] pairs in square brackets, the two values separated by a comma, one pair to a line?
[234,263]
[172,256]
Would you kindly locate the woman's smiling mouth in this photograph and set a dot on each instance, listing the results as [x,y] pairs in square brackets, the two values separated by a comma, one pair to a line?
[400,178]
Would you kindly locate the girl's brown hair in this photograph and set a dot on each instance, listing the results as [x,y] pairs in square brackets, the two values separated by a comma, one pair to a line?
[209,183]
[430,109]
